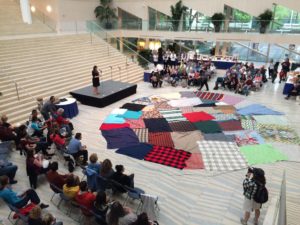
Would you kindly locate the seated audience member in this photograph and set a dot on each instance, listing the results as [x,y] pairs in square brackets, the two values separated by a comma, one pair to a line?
[58,139]
[40,103]
[154,79]
[85,198]
[106,169]
[248,84]
[92,171]
[48,108]
[18,200]
[35,216]
[8,169]
[49,219]
[6,124]
[296,89]
[100,206]
[7,133]
[233,83]
[191,78]
[76,149]
[222,80]
[34,167]
[122,178]
[63,122]
[71,187]
[143,219]
[35,128]
[119,215]
[34,113]
[54,177]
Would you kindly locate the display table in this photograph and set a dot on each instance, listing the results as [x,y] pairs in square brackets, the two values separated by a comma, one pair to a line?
[70,107]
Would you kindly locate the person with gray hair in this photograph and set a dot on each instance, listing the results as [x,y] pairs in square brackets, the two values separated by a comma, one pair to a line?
[62,122]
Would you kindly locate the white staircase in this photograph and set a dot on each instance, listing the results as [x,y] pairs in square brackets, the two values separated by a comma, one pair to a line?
[55,65]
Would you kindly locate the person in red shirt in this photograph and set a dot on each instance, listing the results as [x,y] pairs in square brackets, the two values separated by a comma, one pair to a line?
[54,177]
[85,198]
[62,121]
[58,140]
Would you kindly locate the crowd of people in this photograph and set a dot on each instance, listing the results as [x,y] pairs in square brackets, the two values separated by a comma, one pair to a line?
[48,129]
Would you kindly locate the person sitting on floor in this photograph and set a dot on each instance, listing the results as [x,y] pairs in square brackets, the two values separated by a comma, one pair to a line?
[71,187]
[63,122]
[58,140]
[35,128]
[122,178]
[76,149]
[53,177]
[85,198]
[119,215]
[18,200]
[8,169]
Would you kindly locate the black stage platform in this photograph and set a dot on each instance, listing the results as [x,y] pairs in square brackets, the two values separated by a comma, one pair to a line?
[110,92]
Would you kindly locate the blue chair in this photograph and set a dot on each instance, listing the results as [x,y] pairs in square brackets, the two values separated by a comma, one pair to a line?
[134,194]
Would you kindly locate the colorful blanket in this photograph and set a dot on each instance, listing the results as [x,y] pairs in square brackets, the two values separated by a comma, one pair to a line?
[260,154]
[136,124]
[111,126]
[194,162]
[248,123]
[163,106]
[209,95]
[142,101]
[198,116]
[246,137]
[226,109]
[118,138]
[151,114]
[187,94]
[279,133]
[187,140]
[231,99]
[221,156]
[112,118]
[142,134]
[138,151]
[257,109]
[161,139]
[271,119]
[133,106]
[230,125]
[172,115]
[224,117]
[131,115]
[168,156]
[186,109]
[208,127]
[185,102]
[157,125]
[182,126]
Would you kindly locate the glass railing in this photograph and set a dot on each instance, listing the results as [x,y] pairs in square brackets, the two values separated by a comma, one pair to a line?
[125,47]
[206,25]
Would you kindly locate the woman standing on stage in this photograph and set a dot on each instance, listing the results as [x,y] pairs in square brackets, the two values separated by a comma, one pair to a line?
[96,81]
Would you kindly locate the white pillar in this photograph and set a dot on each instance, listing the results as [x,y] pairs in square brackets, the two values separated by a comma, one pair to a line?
[25,9]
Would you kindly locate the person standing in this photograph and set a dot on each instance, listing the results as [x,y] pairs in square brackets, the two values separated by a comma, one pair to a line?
[254,179]
[96,79]
[271,69]
[48,108]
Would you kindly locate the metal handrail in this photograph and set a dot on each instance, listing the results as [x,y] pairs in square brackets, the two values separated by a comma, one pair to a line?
[17,86]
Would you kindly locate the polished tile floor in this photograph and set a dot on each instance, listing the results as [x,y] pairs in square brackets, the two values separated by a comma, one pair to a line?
[190,196]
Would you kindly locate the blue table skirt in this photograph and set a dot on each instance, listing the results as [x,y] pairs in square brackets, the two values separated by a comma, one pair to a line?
[287,88]
[71,110]
[147,76]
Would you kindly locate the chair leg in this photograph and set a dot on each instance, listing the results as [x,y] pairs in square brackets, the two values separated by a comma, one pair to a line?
[126,199]
[139,206]
[52,197]
[59,203]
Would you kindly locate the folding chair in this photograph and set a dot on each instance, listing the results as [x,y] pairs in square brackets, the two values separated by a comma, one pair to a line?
[19,215]
[134,194]
[149,205]
[56,190]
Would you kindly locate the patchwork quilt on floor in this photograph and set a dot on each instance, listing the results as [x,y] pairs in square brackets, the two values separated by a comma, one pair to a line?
[161,139]
[187,94]
[163,106]
[142,134]
[224,117]
[195,162]
[221,156]
[112,118]
[111,126]
[246,137]
[260,154]
[186,109]
[136,124]
[119,138]
[133,106]
[185,102]
[219,137]
[182,126]
[279,133]
[131,114]
[257,109]
[226,109]
[151,114]
[198,116]
[187,140]
[209,95]
[172,115]
[248,123]
[230,125]
[208,127]
[271,119]
[142,101]
[157,125]
[168,156]
[232,100]
[138,151]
